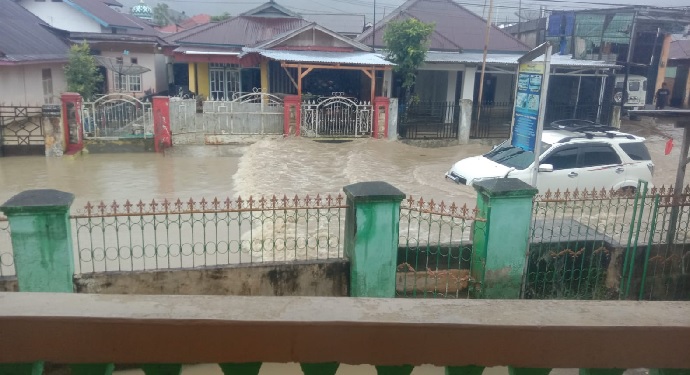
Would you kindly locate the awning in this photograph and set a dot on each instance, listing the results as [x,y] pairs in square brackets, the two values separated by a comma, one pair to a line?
[323,57]
[433,57]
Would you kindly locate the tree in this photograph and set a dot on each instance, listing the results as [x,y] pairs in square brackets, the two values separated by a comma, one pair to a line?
[81,71]
[221,17]
[407,42]
[161,14]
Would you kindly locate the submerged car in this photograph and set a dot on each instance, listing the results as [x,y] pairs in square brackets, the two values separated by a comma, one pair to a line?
[574,155]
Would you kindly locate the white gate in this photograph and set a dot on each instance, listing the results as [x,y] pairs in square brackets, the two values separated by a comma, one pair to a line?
[254,113]
[117,115]
[336,116]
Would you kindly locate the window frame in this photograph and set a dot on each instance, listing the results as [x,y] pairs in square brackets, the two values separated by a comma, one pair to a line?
[577,149]
[584,148]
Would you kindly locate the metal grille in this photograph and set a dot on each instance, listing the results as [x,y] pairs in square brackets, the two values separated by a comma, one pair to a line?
[117,115]
[492,121]
[253,113]
[21,131]
[429,120]
[609,245]
[435,255]
[336,116]
[6,253]
[177,234]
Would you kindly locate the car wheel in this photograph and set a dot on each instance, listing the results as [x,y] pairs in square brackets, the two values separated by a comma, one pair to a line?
[627,191]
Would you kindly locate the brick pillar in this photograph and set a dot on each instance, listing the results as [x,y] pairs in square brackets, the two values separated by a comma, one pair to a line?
[292,115]
[42,240]
[162,136]
[381,110]
[371,237]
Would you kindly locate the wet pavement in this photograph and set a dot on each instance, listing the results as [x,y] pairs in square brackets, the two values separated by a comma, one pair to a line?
[277,166]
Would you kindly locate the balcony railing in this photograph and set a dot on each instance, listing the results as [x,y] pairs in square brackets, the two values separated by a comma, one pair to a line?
[102,329]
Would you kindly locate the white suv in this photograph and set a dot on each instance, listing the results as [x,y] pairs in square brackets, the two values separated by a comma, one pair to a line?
[574,154]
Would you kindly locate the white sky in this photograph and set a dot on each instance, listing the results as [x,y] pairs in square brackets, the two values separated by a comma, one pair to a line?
[502,8]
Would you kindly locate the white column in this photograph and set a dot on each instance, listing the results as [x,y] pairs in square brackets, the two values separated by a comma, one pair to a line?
[450,93]
[468,82]
[387,83]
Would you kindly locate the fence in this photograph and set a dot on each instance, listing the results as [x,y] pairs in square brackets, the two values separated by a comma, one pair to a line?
[584,111]
[177,234]
[6,253]
[435,257]
[609,245]
[429,120]
[336,116]
[492,121]
[183,116]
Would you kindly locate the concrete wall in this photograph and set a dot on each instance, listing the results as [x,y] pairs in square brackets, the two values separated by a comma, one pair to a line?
[118,145]
[26,82]
[314,278]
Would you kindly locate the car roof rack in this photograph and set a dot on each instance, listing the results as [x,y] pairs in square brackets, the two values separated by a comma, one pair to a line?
[590,135]
[582,128]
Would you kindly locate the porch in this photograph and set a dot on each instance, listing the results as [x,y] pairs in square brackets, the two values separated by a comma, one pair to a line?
[91,332]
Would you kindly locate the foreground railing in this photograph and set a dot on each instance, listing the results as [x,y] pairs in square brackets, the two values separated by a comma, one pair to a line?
[6,253]
[241,333]
[177,234]
[435,258]
[598,244]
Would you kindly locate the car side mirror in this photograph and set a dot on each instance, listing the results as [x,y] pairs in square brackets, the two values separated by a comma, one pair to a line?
[546,168]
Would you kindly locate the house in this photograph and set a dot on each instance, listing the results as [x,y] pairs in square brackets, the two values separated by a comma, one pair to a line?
[349,25]
[531,32]
[186,24]
[275,50]
[453,65]
[119,39]
[637,38]
[32,59]
[678,73]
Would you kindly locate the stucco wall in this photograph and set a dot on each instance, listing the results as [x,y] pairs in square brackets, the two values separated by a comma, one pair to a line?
[26,83]
[314,278]
[62,16]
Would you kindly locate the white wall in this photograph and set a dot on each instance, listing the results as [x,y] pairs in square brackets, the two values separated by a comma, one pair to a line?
[61,16]
[153,81]
[23,84]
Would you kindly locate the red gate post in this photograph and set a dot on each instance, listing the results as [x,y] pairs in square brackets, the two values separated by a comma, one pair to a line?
[162,137]
[381,108]
[292,119]
[71,122]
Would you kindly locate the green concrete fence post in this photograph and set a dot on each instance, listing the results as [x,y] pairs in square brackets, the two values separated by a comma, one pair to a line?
[32,368]
[42,240]
[501,241]
[371,237]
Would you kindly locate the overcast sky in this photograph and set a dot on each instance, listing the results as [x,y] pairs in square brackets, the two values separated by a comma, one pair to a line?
[502,8]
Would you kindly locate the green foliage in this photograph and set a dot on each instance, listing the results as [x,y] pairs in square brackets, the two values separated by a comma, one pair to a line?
[161,14]
[407,42]
[81,71]
[221,17]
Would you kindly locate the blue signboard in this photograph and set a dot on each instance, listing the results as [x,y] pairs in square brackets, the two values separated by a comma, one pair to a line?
[525,122]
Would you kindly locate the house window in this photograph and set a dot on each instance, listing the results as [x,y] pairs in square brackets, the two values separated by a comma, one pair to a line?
[125,82]
[134,60]
[47,76]
[224,80]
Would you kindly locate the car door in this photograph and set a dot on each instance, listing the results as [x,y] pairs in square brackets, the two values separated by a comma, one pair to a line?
[565,174]
[602,167]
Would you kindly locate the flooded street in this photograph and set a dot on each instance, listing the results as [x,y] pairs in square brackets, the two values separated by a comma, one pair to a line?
[278,166]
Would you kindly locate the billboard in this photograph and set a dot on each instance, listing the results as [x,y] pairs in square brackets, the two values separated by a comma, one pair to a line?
[527,105]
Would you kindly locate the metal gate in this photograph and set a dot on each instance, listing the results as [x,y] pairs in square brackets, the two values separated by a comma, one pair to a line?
[117,115]
[656,264]
[336,116]
[21,131]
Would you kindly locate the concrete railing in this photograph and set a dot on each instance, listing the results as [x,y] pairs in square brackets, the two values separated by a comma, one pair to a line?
[395,335]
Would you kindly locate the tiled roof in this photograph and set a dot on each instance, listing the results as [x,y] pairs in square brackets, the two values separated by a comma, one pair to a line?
[100,11]
[25,37]
[454,23]
[243,31]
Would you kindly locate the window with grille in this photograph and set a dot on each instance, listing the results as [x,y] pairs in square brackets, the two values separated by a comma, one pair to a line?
[224,80]
[47,78]
[125,82]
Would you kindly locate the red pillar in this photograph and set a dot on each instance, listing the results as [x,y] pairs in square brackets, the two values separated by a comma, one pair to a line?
[73,129]
[162,136]
[381,107]
[292,104]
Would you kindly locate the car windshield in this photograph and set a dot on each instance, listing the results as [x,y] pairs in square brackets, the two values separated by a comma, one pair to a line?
[512,156]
